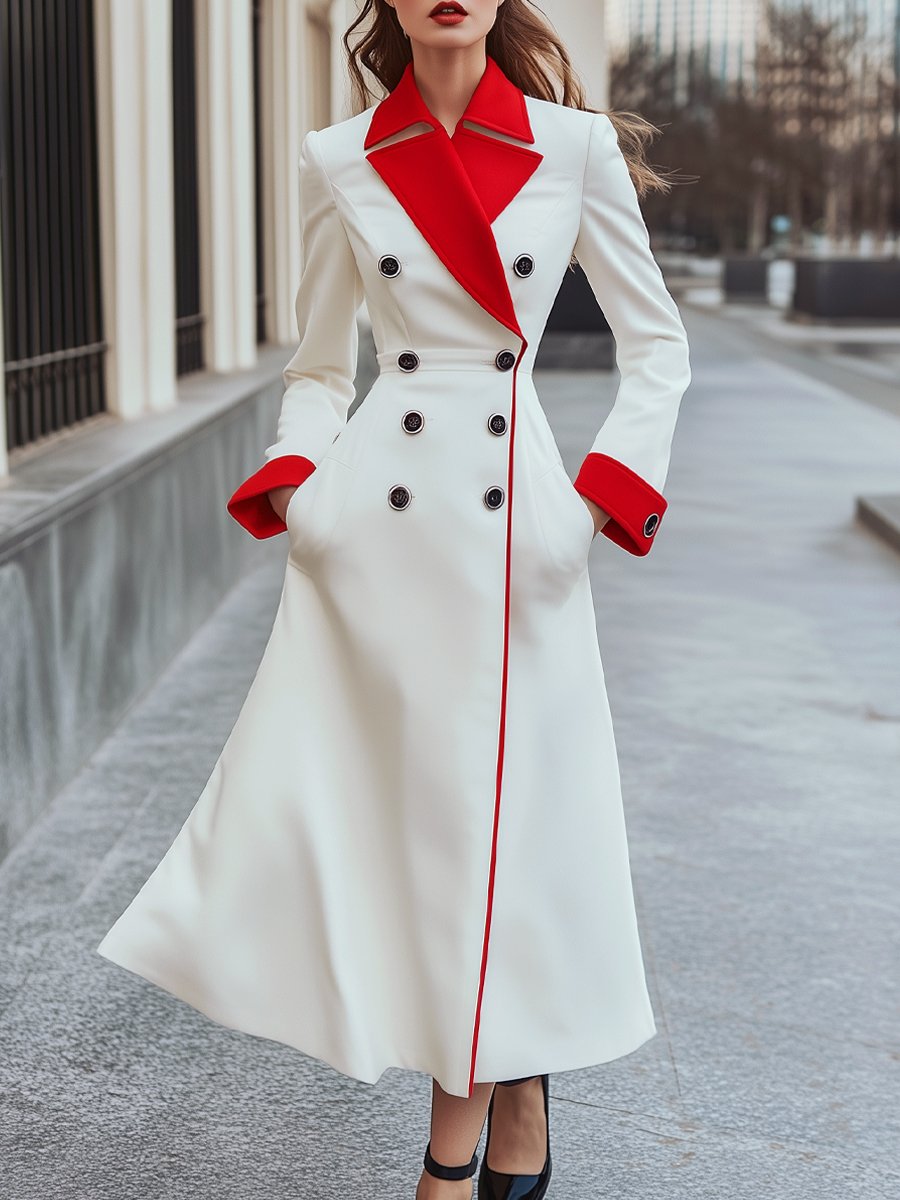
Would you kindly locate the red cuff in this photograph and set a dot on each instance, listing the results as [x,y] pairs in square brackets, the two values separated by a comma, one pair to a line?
[635,508]
[250,505]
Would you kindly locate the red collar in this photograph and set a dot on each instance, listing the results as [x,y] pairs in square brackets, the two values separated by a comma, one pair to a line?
[497,103]
[471,174]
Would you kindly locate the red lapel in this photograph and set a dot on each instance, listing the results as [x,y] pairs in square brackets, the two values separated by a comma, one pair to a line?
[453,188]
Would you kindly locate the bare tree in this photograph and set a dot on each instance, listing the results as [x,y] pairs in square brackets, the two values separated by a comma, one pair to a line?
[814,133]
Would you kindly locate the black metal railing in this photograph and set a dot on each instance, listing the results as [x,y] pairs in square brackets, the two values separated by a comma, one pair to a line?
[54,345]
[189,318]
[258,172]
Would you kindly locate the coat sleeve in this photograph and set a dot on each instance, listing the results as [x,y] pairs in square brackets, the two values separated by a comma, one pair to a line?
[319,379]
[626,467]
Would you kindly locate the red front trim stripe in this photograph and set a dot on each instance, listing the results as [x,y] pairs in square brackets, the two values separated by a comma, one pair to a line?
[502,733]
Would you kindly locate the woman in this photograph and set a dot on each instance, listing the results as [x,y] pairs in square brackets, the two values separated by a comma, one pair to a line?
[411,851]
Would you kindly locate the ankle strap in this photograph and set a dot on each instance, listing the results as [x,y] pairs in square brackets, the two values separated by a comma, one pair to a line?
[433,1167]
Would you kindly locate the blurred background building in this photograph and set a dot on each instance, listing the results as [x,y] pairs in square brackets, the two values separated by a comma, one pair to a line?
[786,115]
[720,33]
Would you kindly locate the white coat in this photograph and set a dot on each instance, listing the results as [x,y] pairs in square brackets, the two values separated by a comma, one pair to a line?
[411,851]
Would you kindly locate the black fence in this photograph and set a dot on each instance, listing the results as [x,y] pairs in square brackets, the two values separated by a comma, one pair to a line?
[189,317]
[53,332]
[258,173]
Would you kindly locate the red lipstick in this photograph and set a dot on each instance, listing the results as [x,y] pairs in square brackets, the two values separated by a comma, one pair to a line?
[448,12]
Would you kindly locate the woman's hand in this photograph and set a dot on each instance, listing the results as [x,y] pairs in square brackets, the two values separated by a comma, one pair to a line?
[280,498]
[600,515]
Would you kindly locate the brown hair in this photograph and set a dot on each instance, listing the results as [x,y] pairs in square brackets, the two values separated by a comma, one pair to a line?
[528,52]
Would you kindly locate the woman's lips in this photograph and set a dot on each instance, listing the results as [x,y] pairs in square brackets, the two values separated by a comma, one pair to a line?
[448,14]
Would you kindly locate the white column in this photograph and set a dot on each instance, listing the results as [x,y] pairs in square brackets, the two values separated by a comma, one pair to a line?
[137,234]
[225,168]
[285,107]
[341,14]
[582,29]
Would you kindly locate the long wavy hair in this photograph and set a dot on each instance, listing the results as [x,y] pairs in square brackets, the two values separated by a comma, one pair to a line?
[528,52]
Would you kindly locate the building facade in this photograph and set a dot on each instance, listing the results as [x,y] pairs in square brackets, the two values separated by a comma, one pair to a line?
[150,208]
[719,33]
[722,37]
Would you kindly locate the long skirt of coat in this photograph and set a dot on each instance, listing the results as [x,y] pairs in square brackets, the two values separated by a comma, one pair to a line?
[330,889]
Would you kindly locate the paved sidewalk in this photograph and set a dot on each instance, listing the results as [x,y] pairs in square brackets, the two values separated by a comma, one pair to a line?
[862,358]
[753,664]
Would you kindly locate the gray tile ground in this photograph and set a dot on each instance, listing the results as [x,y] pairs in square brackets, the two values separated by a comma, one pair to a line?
[753,663]
[882,514]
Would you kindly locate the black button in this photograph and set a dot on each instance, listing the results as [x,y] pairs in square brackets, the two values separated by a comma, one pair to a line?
[650,524]
[412,421]
[524,265]
[399,496]
[493,497]
[497,423]
[408,360]
[505,359]
[389,265]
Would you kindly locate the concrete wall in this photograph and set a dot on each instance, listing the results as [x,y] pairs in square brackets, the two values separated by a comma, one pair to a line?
[114,549]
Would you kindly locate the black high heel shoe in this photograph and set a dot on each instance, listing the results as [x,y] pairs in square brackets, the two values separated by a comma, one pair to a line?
[439,1171]
[497,1185]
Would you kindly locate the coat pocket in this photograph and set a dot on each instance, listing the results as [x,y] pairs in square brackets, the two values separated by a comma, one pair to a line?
[314,511]
[566,522]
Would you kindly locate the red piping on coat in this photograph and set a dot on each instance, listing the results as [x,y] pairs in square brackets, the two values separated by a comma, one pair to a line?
[502,734]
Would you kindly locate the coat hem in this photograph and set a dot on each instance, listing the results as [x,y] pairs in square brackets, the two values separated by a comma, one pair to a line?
[605,1054]
[221,1015]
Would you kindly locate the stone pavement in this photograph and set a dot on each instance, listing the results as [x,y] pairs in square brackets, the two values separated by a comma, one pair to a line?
[753,664]
[860,358]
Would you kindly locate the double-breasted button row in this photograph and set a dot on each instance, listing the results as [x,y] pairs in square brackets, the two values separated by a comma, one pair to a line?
[413,421]
[400,496]
[408,360]
[389,265]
